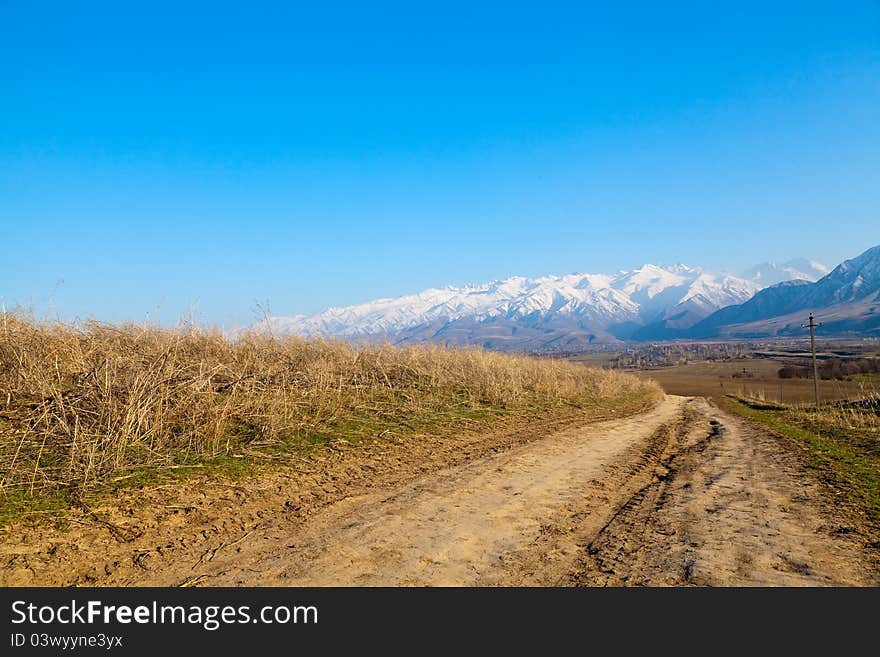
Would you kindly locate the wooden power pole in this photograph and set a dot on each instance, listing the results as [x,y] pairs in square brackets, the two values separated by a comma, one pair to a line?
[812,326]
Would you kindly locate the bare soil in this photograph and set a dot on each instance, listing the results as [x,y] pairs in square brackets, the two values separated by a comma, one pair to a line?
[681,494]
[730,506]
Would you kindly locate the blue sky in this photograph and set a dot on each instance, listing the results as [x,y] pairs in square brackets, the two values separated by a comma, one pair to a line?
[157,157]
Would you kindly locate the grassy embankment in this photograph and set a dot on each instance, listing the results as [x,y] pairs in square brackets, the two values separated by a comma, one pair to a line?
[86,410]
[840,439]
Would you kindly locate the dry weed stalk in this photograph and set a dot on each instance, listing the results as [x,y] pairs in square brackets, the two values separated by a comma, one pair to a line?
[79,403]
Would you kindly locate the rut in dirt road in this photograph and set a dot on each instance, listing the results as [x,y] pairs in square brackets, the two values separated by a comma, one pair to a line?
[730,507]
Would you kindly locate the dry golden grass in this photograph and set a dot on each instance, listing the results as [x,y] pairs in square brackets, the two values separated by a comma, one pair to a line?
[79,404]
[862,415]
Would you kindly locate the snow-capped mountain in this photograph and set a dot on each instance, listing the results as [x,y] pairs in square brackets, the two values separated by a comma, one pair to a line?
[846,301]
[798,269]
[546,313]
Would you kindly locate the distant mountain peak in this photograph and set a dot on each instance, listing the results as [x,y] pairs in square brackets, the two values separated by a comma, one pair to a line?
[845,300]
[770,273]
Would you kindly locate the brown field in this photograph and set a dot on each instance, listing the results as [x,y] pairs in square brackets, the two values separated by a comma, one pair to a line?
[595,359]
[755,378]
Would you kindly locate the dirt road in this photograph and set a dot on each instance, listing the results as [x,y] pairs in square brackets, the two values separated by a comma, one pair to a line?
[459,526]
[682,494]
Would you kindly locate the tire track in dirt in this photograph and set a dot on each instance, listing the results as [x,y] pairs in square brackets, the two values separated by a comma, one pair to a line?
[730,507]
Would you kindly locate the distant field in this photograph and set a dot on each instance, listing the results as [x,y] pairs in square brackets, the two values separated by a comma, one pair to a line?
[756,378]
[597,359]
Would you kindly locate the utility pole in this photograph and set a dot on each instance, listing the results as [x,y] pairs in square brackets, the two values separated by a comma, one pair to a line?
[812,326]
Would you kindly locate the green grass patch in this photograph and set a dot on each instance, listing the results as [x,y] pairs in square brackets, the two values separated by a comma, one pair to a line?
[867,378]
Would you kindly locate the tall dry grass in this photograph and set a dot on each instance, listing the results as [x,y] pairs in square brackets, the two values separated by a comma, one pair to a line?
[80,403]
[859,417]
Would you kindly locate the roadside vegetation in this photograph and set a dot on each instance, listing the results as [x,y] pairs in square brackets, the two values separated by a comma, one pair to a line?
[841,440]
[94,407]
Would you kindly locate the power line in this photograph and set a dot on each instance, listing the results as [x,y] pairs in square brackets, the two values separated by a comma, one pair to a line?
[812,326]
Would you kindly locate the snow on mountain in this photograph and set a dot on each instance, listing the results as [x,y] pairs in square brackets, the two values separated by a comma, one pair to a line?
[845,301]
[509,298]
[536,310]
[798,269]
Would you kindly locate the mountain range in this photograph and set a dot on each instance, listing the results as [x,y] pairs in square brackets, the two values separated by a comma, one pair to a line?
[846,302]
[555,313]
